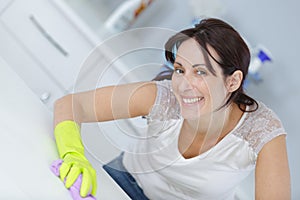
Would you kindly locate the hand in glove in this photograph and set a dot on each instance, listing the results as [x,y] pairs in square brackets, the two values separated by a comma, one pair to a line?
[71,150]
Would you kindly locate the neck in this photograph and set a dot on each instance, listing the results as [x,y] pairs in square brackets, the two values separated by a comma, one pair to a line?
[216,124]
[199,135]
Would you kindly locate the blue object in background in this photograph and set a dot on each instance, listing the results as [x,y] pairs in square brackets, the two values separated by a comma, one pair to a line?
[262,56]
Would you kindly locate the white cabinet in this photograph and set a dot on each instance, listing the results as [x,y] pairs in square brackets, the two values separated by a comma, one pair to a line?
[43,46]
[52,48]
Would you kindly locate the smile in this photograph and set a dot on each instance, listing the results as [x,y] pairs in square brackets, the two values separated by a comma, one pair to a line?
[191,100]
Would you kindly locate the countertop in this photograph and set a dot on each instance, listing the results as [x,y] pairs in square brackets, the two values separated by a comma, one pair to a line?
[28,148]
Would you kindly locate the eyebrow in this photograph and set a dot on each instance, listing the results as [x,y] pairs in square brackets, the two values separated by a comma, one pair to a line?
[193,66]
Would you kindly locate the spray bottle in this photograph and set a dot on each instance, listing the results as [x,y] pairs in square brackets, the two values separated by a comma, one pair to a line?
[259,56]
[125,15]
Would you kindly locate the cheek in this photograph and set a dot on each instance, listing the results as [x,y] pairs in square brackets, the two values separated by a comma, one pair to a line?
[203,86]
[218,92]
[179,83]
[175,82]
[212,87]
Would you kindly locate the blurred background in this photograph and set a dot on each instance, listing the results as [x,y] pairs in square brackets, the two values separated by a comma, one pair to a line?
[56,45]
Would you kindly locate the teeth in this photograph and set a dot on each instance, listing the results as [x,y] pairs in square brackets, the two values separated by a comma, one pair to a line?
[191,100]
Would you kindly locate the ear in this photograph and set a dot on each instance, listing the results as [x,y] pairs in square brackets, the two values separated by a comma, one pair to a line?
[234,81]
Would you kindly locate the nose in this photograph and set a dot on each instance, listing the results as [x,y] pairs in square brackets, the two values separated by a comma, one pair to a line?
[187,83]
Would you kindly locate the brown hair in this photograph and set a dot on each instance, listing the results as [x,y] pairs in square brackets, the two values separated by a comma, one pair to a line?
[228,44]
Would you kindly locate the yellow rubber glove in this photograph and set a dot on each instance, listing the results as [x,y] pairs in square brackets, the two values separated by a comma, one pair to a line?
[71,150]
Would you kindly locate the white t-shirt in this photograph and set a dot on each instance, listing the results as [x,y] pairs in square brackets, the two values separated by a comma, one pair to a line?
[163,173]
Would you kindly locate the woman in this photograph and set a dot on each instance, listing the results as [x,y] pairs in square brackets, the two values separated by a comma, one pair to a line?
[205,134]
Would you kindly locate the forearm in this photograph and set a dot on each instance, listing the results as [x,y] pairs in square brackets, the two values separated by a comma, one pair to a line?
[107,103]
[77,107]
[64,110]
[69,112]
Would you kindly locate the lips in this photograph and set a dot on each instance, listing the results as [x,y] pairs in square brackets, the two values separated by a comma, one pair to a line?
[191,100]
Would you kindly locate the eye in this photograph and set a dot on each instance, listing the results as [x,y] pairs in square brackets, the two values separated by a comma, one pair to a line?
[201,72]
[178,71]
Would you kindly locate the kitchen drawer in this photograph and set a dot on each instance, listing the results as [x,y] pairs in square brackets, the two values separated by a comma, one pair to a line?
[30,71]
[49,38]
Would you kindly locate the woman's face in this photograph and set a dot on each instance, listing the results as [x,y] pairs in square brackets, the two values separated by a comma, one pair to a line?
[198,91]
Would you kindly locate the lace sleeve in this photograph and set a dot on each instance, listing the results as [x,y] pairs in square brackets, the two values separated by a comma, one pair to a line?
[273,128]
[260,127]
[166,105]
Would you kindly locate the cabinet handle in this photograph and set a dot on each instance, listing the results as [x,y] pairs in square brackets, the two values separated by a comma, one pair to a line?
[48,36]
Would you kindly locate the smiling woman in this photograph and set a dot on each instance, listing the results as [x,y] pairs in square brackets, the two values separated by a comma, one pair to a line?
[205,135]
[194,84]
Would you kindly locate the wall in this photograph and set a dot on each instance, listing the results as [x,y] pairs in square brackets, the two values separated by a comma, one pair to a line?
[275,24]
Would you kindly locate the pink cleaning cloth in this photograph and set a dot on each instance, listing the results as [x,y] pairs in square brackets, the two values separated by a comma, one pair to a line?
[75,188]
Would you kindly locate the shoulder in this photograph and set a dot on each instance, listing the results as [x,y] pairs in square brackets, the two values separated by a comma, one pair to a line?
[260,127]
[166,105]
[265,119]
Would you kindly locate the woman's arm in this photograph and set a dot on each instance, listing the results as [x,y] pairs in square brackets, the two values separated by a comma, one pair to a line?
[103,104]
[107,103]
[272,176]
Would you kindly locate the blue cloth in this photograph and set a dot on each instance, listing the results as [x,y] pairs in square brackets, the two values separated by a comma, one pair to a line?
[125,180]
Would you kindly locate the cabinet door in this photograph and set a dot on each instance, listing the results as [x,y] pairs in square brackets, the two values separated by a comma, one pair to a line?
[29,70]
[49,38]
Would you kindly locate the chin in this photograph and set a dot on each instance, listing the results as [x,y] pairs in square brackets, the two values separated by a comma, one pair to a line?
[190,115]
[195,113]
